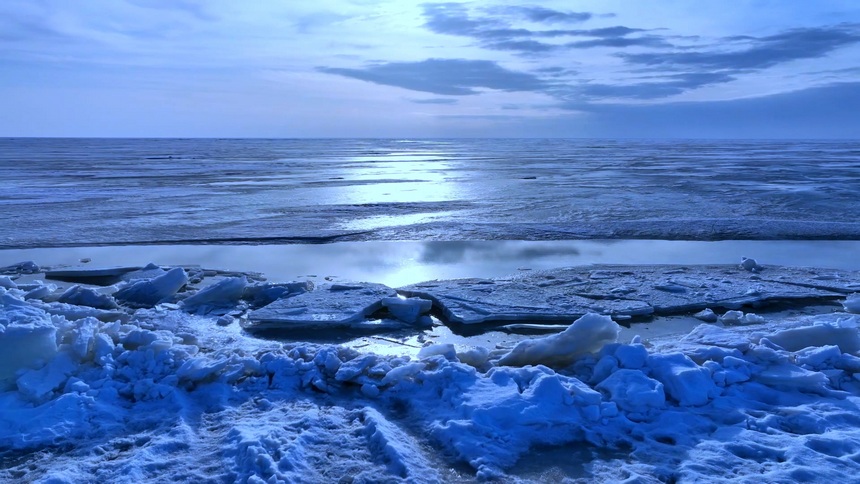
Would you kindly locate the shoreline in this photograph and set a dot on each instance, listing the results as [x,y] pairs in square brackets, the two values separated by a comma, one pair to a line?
[398,263]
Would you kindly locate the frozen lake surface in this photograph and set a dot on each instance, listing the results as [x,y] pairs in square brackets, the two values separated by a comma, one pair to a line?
[72,192]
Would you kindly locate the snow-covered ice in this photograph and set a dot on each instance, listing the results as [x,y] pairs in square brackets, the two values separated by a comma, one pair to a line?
[149,391]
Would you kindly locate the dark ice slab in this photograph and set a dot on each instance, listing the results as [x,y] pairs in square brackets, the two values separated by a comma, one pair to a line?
[328,306]
[95,276]
[561,295]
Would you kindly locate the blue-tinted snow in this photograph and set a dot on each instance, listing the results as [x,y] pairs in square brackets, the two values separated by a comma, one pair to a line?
[157,394]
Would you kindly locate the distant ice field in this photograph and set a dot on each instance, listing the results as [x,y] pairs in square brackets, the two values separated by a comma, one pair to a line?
[77,192]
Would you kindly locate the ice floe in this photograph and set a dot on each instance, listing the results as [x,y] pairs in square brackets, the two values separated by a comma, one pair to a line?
[623,291]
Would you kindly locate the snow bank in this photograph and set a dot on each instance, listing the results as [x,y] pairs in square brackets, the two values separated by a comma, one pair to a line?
[162,394]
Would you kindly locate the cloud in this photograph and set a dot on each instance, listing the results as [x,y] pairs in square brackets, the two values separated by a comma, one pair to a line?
[821,112]
[522,46]
[763,52]
[546,15]
[454,19]
[498,32]
[621,42]
[195,8]
[437,100]
[824,112]
[453,77]
[671,85]
[675,71]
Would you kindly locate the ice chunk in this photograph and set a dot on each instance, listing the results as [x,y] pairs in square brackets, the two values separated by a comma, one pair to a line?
[846,337]
[27,336]
[37,385]
[355,367]
[631,356]
[633,391]
[819,358]
[788,375]
[738,318]
[852,303]
[401,454]
[263,294]
[336,305]
[670,287]
[84,296]
[200,369]
[6,282]
[446,350]
[224,293]
[684,380]
[532,299]
[586,335]
[26,267]
[706,334]
[407,310]
[83,337]
[150,271]
[475,357]
[401,372]
[750,265]
[99,277]
[707,315]
[73,312]
[152,291]
[42,291]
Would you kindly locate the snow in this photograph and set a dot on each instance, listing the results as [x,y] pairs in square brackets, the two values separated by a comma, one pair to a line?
[843,334]
[852,303]
[586,335]
[149,391]
[634,392]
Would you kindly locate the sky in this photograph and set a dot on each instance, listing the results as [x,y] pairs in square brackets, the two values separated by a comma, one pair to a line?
[395,68]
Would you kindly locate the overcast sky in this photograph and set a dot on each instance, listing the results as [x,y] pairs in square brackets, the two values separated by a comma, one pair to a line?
[363,68]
